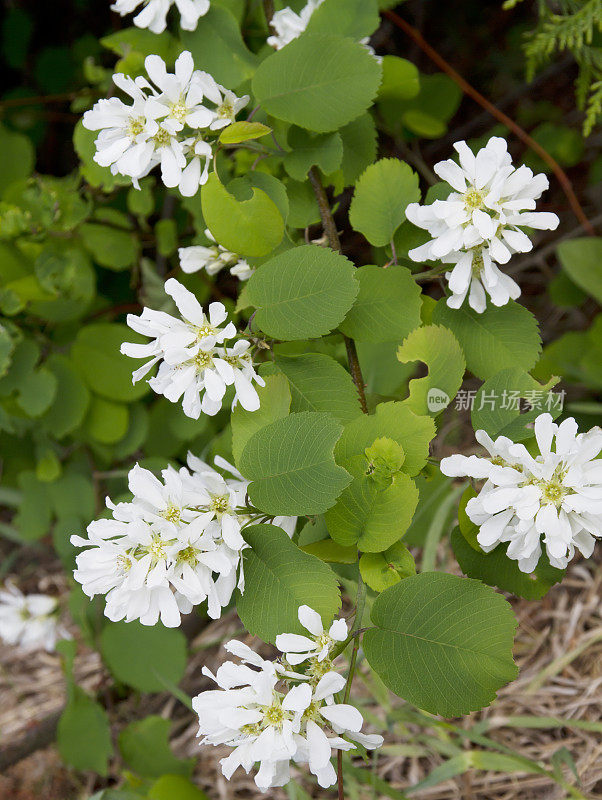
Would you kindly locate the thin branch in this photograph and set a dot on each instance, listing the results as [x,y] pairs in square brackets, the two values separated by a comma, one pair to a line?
[268,9]
[466,87]
[330,229]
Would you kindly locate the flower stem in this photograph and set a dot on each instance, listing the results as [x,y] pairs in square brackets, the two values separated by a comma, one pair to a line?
[268,8]
[330,229]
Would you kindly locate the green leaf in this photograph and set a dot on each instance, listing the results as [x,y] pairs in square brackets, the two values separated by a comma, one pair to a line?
[496,569]
[394,421]
[497,339]
[110,247]
[172,787]
[438,348]
[278,579]
[242,132]
[83,734]
[106,421]
[291,466]
[382,570]
[370,515]
[319,82]
[381,197]
[329,551]
[442,643]
[69,407]
[146,658]
[319,383]
[218,48]
[35,510]
[302,293]
[95,354]
[387,306]
[401,79]
[581,259]
[145,748]
[275,399]
[324,150]
[496,406]
[249,228]
[17,157]
[353,18]
[242,189]
[359,147]
[36,392]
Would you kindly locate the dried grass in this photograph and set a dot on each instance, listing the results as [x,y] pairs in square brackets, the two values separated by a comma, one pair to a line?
[558,649]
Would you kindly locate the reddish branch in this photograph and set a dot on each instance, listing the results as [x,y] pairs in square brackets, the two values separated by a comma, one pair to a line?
[563,178]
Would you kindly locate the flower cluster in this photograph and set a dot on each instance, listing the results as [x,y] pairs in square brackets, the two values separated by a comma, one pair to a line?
[555,496]
[195,359]
[272,715]
[213,259]
[176,544]
[29,621]
[166,124]
[480,223]
[154,12]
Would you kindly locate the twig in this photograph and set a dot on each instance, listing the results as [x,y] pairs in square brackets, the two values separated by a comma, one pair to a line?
[466,87]
[330,229]
[268,10]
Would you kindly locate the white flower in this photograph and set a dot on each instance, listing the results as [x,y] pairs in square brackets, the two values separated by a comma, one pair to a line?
[167,123]
[554,497]
[213,259]
[272,716]
[299,648]
[154,13]
[196,364]
[227,104]
[28,621]
[175,544]
[481,222]
[289,25]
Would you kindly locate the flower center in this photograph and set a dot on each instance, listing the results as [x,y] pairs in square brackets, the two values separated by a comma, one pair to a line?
[473,199]
[188,555]
[220,504]
[554,492]
[274,715]
[124,563]
[162,138]
[226,110]
[171,514]
[179,111]
[204,330]
[135,127]
[203,360]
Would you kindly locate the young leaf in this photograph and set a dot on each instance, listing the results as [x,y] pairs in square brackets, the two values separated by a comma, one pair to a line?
[318,81]
[370,515]
[381,197]
[278,579]
[497,339]
[319,383]
[146,658]
[242,132]
[438,348]
[275,398]
[83,733]
[387,306]
[394,421]
[441,642]
[291,466]
[302,293]
[249,228]
[382,570]
[401,79]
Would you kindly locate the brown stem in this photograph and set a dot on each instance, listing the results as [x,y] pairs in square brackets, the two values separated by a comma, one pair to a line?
[561,175]
[268,9]
[330,229]
[340,774]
